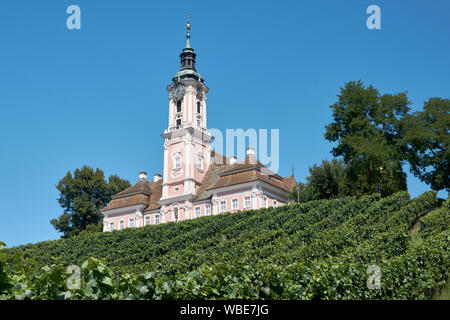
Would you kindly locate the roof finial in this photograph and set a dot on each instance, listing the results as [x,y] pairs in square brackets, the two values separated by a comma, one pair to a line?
[188,28]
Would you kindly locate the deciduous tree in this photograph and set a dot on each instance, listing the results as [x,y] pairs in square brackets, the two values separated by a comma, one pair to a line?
[427,140]
[82,195]
[367,127]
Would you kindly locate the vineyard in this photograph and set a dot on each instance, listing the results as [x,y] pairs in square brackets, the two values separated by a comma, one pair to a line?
[326,249]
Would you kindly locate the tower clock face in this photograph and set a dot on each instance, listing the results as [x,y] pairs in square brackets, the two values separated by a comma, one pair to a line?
[178,92]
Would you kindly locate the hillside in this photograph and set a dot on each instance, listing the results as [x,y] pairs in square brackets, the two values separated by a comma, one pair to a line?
[320,249]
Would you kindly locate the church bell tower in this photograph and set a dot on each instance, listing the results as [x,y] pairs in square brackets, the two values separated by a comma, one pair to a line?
[186,139]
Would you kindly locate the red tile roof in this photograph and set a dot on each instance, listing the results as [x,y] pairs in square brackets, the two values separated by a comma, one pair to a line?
[220,174]
[143,192]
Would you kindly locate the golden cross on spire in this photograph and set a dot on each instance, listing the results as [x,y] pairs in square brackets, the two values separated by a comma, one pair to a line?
[188,28]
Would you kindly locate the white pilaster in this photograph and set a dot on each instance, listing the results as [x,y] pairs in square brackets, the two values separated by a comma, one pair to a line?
[191,117]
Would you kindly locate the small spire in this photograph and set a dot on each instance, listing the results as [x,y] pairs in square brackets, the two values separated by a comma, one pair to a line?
[188,31]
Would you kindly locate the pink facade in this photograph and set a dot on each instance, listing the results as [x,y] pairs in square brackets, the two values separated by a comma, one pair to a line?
[193,183]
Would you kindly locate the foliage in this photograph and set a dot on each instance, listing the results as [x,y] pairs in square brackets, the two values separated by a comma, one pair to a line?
[437,221]
[325,181]
[314,250]
[427,140]
[82,195]
[4,283]
[366,127]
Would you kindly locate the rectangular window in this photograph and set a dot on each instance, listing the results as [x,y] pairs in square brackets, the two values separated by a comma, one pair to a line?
[247,202]
[147,220]
[265,202]
[177,161]
[208,209]
[131,223]
[121,225]
[179,106]
[178,122]
[157,219]
[200,162]
[197,212]
[223,206]
[111,226]
[235,204]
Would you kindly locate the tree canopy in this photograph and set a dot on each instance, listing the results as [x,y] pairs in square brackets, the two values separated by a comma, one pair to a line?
[427,141]
[367,127]
[325,181]
[82,195]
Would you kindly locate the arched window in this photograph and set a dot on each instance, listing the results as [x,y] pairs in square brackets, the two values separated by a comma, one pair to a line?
[178,106]
[199,161]
[199,107]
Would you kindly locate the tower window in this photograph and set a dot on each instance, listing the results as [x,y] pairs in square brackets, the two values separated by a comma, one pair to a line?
[200,161]
[178,122]
[179,106]
[177,161]
[199,107]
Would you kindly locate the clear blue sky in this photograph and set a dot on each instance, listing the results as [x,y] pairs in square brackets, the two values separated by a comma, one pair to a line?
[96,96]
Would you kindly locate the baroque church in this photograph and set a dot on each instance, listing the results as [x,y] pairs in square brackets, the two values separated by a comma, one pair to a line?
[196,181]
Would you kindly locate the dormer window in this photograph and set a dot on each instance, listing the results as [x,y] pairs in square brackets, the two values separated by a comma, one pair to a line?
[178,106]
[199,107]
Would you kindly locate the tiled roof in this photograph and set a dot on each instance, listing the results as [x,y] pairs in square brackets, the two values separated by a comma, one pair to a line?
[220,174]
[142,186]
[143,192]
[224,175]
[155,196]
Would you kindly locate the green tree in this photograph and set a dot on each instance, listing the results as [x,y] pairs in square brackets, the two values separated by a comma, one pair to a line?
[82,196]
[367,127]
[325,181]
[427,140]
[4,282]
[116,185]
